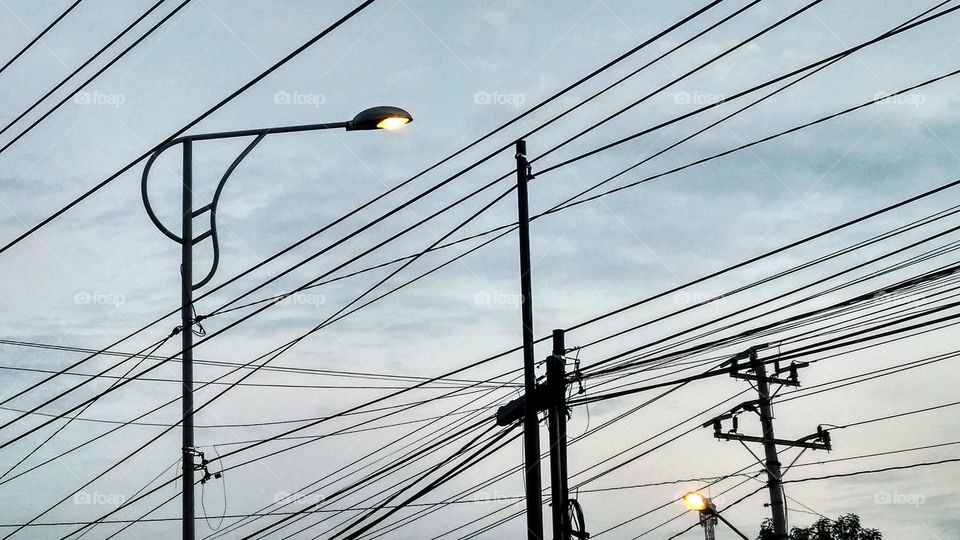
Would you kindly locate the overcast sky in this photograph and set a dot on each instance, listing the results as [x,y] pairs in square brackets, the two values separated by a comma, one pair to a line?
[462,68]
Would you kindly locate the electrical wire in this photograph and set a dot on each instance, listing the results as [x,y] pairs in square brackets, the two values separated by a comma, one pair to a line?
[86,63]
[37,38]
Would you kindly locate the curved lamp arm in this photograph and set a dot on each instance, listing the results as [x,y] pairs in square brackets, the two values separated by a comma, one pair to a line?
[146,198]
[212,207]
[369,119]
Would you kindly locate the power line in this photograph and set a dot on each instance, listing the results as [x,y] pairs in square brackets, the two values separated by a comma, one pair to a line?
[806,319]
[223,363]
[438,386]
[702,66]
[189,125]
[738,95]
[85,64]
[315,256]
[436,435]
[39,36]
[924,83]
[873,471]
[471,145]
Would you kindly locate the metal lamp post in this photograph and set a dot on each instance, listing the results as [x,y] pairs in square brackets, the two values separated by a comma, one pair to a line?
[370,119]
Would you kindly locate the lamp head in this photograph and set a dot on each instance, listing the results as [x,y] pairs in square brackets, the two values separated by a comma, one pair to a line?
[389,118]
[696,501]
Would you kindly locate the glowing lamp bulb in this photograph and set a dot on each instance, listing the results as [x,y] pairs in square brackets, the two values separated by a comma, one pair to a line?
[696,501]
[393,122]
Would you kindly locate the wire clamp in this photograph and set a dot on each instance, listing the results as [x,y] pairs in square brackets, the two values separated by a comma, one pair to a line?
[207,475]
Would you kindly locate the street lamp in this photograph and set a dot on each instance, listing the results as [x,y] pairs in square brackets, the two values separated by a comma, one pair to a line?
[388,118]
[708,514]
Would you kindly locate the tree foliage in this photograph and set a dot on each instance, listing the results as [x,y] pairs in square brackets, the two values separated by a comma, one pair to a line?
[846,527]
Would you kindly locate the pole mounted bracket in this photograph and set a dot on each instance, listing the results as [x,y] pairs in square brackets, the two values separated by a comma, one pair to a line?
[543,398]
[743,366]
[513,411]
[202,466]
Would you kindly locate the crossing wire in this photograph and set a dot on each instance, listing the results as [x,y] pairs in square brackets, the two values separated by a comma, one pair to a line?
[189,125]
[39,36]
[86,63]
[489,184]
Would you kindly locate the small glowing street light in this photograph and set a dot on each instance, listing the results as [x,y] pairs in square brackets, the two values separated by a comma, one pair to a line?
[708,514]
[696,501]
[389,118]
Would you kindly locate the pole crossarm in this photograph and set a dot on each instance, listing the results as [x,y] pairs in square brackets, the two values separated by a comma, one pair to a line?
[805,442]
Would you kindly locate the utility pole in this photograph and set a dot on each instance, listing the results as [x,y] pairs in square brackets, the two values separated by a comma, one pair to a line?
[755,369]
[531,425]
[557,426]
[774,479]
[186,334]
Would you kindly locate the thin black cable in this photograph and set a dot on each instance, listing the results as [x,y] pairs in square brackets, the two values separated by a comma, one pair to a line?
[410,458]
[81,66]
[438,386]
[66,98]
[941,14]
[133,421]
[702,66]
[824,345]
[482,453]
[69,421]
[39,36]
[128,456]
[873,471]
[738,95]
[148,443]
[276,351]
[189,125]
[644,359]
[255,312]
[902,285]
[415,479]
[221,363]
[437,435]
[505,175]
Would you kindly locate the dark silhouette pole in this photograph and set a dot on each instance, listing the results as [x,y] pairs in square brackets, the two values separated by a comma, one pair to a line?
[531,427]
[557,426]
